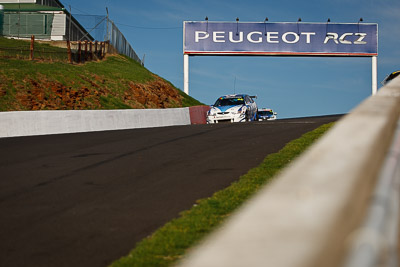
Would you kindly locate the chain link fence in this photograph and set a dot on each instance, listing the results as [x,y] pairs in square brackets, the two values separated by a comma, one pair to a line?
[119,42]
[96,26]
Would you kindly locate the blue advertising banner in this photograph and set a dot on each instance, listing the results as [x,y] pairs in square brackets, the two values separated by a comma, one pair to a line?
[264,38]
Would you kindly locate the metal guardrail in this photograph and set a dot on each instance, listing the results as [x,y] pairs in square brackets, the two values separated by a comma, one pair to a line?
[336,205]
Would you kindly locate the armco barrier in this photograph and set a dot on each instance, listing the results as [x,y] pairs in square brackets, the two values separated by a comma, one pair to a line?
[25,123]
[314,211]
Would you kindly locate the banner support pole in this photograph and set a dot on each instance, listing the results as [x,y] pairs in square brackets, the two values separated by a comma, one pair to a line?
[186,73]
[374,75]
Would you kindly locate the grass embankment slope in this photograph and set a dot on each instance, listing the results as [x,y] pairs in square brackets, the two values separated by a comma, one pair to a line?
[116,82]
[169,244]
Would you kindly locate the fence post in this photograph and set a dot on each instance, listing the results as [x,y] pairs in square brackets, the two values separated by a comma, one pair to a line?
[32,47]
[90,51]
[85,58]
[99,51]
[95,49]
[69,52]
[79,51]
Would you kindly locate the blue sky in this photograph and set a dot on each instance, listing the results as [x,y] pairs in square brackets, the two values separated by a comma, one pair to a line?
[292,86]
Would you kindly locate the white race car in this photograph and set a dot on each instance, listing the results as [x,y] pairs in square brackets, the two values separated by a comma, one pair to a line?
[266,114]
[233,108]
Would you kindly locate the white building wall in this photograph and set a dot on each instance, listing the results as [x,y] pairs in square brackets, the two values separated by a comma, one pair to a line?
[58,29]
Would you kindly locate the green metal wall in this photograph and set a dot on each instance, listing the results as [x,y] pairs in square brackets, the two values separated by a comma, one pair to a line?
[1,22]
[26,24]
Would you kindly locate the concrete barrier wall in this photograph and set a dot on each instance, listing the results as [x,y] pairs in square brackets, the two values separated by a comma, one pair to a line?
[314,209]
[25,123]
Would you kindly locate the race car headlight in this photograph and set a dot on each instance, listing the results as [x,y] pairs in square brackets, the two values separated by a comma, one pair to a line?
[242,109]
[211,112]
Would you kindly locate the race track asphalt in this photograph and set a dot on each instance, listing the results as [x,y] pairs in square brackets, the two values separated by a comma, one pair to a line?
[86,199]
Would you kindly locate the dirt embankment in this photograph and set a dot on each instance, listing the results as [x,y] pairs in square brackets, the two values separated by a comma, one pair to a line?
[158,94]
[92,92]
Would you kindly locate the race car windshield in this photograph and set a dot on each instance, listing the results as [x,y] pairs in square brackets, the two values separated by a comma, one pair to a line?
[229,102]
[394,75]
[265,113]
[390,77]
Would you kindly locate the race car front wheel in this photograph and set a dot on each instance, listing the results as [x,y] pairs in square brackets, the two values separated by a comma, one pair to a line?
[248,116]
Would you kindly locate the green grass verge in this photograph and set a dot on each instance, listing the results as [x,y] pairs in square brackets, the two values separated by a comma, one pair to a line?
[169,243]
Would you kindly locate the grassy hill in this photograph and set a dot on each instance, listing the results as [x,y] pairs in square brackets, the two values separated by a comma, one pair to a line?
[50,83]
